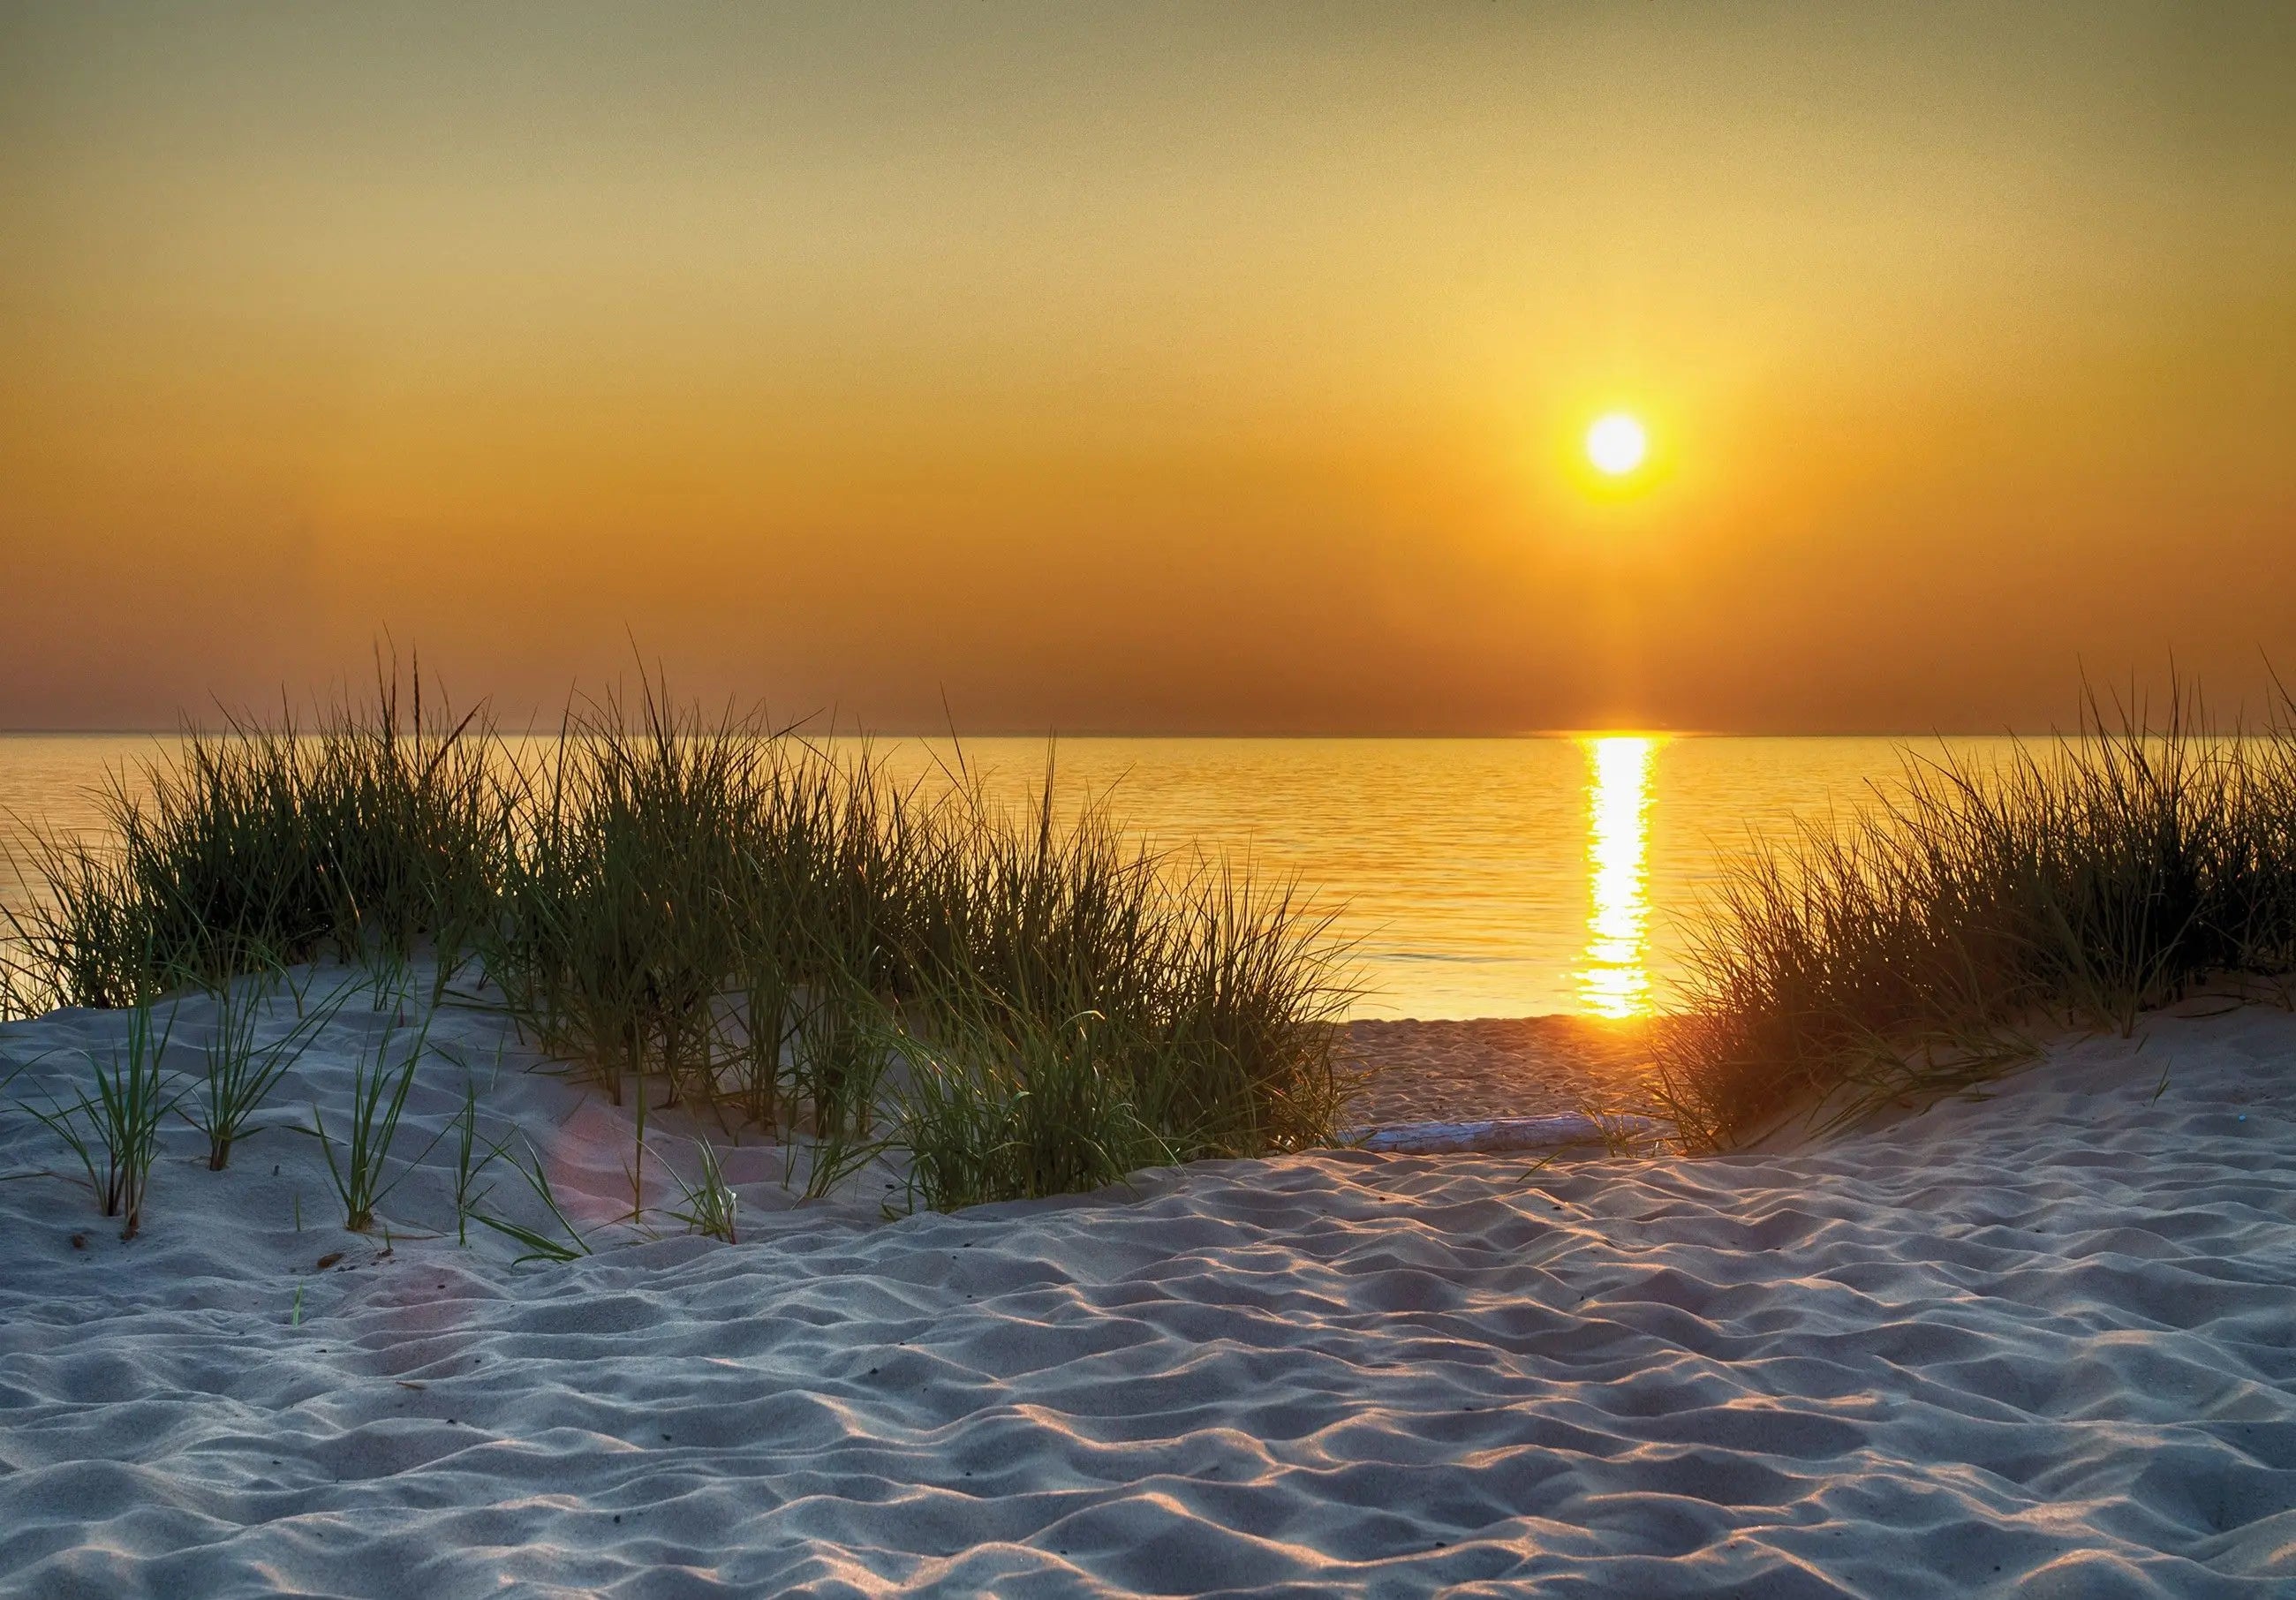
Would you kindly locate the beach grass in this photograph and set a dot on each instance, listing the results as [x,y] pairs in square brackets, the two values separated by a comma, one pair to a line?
[708,1205]
[1923,943]
[266,844]
[539,1246]
[472,1154]
[239,1073]
[380,1086]
[715,913]
[115,1131]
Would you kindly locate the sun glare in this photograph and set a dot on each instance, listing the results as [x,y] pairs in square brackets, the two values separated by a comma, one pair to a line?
[1614,981]
[1616,444]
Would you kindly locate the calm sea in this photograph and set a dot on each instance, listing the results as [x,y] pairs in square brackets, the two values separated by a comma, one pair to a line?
[1476,877]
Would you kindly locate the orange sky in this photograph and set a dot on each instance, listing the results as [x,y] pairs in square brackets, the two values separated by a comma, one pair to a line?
[1198,369]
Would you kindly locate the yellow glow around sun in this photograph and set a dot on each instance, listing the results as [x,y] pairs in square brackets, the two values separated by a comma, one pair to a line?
[1616,444]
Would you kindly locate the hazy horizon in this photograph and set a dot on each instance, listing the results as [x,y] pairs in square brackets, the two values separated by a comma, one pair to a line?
[1153,369]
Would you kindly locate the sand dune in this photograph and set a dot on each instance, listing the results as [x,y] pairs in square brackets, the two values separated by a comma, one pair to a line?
[2043,1346]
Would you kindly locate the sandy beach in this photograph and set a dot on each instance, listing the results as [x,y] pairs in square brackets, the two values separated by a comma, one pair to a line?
[1419,1071]
[2036,1346]
[1117,800]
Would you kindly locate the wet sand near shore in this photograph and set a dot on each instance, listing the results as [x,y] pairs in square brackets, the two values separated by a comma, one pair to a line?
[1445,1071]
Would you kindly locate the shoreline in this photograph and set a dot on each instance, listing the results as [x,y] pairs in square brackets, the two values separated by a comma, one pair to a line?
[1550,1065]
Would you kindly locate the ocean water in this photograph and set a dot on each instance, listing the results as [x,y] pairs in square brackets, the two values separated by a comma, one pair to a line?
[1472,877]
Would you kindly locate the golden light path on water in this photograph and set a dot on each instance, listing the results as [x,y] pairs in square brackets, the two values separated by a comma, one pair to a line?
[1615,980]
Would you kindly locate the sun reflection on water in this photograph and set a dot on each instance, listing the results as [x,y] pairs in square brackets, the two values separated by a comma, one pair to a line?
[1614,981]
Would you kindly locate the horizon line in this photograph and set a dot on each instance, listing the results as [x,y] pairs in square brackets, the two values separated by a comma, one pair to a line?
[1620,731]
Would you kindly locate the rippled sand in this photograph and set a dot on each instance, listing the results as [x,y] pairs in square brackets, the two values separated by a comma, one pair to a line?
[2042,1346]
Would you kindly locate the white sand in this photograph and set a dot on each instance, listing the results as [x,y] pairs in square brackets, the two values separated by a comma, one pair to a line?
[2043,1346]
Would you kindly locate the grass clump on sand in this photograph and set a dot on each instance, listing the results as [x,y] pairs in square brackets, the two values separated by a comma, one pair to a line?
[1912,950]
[716,914]
[115,1132]
[379,1091]
[1077,1010]
[239,1073]
[772,935]
[265,845]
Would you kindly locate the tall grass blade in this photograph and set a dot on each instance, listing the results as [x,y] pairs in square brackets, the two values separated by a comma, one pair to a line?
[115,1132]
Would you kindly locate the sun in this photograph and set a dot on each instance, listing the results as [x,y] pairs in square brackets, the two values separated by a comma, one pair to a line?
[1616,444]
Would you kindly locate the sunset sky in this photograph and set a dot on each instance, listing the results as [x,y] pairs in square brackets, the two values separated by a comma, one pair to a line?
[1138,368]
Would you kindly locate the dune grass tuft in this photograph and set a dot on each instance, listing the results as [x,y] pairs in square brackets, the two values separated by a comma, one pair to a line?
[379,1091]
[265,845]
[709,1203]
[239,1073]
[115,1131]
[716,914]
[1916,947]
